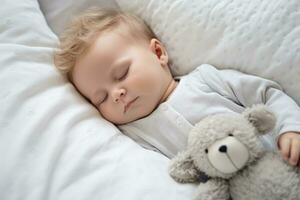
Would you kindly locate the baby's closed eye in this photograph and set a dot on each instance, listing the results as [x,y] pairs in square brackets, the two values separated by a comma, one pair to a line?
[123,73]
[102,98]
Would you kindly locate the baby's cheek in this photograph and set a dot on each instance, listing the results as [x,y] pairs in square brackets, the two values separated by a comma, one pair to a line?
[109,112]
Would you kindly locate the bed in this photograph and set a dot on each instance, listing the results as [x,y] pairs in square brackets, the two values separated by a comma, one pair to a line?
[54,145]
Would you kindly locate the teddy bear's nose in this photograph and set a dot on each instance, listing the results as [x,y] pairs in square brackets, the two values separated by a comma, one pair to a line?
[223,149]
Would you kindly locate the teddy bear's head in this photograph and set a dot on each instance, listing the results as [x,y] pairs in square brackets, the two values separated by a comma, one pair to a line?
[222,144]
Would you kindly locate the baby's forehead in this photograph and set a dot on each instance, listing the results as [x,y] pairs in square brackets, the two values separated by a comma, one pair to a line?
[106,50]
[119,34]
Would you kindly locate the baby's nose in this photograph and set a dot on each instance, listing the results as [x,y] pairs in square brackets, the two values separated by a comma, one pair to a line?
[119,95]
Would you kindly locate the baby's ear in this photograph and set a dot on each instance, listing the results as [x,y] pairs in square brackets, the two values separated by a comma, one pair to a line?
[261,118]
[182,168]
[160,51]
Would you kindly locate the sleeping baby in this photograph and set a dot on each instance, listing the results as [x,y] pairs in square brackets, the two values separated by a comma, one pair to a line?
[117,63]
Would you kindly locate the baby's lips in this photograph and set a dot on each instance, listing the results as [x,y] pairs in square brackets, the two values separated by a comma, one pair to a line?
[129,104]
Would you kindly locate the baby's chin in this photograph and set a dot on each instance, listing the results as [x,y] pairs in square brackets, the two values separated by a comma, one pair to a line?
[133,117]
[122,121]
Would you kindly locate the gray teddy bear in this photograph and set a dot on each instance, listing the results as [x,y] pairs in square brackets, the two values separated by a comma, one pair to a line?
[226,148]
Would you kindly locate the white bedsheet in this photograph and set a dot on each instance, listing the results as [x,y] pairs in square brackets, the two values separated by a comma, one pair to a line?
[53,144]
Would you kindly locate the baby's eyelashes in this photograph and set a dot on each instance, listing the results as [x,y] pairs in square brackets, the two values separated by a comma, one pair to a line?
[124,74]
[102,99]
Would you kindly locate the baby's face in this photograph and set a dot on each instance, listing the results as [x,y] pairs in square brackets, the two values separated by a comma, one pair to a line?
[124,79]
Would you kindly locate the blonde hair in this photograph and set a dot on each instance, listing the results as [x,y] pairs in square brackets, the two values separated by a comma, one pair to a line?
[81,33]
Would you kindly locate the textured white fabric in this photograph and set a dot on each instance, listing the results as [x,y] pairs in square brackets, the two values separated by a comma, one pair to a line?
[164,130]
[259,37]
[53,144]
[208,91]
[58,13]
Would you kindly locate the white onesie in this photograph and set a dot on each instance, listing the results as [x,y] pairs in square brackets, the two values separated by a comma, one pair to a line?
[206,91]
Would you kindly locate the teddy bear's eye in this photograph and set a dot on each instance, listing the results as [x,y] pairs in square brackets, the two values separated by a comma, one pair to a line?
[206,150]
[230,134]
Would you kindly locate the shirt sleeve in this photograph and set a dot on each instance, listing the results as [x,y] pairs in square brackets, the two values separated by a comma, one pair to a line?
[248,90]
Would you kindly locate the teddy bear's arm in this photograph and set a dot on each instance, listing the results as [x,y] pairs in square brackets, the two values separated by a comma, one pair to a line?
[213,189]
[182,168]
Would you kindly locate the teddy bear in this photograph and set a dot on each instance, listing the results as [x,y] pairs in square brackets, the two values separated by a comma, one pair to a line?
[227,148]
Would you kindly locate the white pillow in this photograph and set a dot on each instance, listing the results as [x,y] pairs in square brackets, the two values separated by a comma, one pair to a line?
[259,37]
[58,13]
[53,144]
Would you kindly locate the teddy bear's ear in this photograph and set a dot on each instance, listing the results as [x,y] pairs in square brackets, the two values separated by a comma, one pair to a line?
[182,168]
[261,118]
